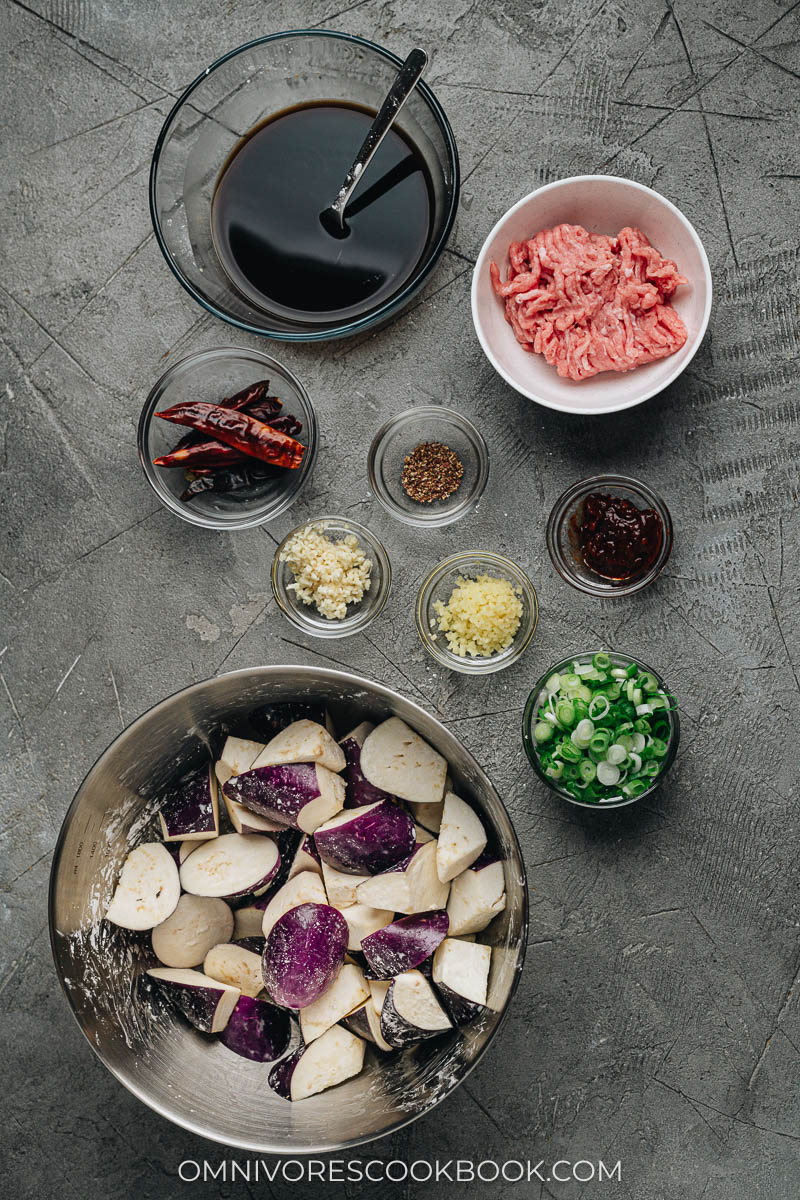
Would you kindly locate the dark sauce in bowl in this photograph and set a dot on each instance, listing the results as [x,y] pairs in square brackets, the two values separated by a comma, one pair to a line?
[618,541]
[265,215]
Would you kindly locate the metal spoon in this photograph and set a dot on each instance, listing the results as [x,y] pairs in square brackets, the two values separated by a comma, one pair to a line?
[332,218]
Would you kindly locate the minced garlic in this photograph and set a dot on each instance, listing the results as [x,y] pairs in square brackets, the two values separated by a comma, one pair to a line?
[328,574]
[481,617]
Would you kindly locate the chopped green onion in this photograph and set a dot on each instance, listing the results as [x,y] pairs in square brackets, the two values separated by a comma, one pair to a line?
[616,754]
[553,684]
[587,770]
[555,770]
[569,751]
[607,773]
[659,748]
[643,710]
[565,712]
[594,710]
[601,661]
[542,731]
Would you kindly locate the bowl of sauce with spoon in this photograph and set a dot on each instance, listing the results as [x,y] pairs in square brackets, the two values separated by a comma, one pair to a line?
[242,186]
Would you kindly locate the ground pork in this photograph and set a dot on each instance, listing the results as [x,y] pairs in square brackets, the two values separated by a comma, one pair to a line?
[591,303]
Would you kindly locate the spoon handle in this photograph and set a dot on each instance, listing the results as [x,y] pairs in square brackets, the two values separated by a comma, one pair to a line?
[403,85]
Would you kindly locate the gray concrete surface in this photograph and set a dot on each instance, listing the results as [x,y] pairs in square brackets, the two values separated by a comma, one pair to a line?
[658,1021]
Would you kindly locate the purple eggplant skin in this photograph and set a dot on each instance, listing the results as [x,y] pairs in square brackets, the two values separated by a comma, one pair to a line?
[280,1077]
[485,859]
[280,792]
[189,808]
[254,944]
[357,1023]
[359,790]
[372,841]
[405,944]
[197,1003]
[303,954]
[257,1030]
[397,1031]
[461,1010]
[269,719]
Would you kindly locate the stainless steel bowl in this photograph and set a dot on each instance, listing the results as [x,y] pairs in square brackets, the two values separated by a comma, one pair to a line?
[193,1080]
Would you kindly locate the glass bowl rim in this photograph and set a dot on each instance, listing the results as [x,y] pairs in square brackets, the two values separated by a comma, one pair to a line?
[427,519]
[183,511]
[568,499]
[416,280]
[551,784]
[467,666]
[360,619]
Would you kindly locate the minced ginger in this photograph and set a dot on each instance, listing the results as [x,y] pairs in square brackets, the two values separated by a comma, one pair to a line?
[481,617]
[328,574]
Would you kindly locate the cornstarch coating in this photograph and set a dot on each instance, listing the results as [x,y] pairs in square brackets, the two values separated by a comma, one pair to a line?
[590,303]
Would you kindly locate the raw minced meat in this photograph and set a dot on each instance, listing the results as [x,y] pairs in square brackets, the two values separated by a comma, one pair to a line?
[591,303]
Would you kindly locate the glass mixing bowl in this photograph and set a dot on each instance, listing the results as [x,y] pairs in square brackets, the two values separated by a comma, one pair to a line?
[225,102]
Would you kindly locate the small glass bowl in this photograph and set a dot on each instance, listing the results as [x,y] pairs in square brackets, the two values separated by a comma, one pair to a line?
[399,436]
[210,375]
[305,616]
[528,721]
[563,529]
[439,584]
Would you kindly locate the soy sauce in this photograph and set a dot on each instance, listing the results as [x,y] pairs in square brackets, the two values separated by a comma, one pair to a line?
[265,214]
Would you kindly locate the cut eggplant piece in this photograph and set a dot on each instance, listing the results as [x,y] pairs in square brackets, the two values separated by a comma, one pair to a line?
[269,719]
[187,935]
[206,1003]
[422,835]
[233,963]
[306,858]
[180,851]
[366,840]
[399,761]
[411,1011]
[429,816]
[477,895]
[247,920]
[461,973]
[304,953]
[332,1058]
[461,840]
[302,742]
[148,890]
[377,990]
[359,791]
[305,888]
[190,813]
[348,990]
[232,865]
[404,944]
[410,887]
[300,795]
[244,820]
[238,755]
[257,1030]
[363,920]
[341,888]
[364,1022]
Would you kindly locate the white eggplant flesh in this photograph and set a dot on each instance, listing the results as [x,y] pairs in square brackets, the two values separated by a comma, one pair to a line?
[148,890]
[233,964]
[302,742]
[206,1003]
[187,935]
[477,895]
[306,858]
[362,920]
[331,1059]
[422,835]
[232,865]
[245,821]
[348,990]
[412,886]
[238,755]
[411,1011]
[377,990]
[400,762]
[463,968]
[429,816]
[341,888]
[305,888]
[462,838]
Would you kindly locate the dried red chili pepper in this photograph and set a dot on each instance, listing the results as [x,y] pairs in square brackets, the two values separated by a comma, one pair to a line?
[202,454]
[239,430]
[256,393]
[286,423]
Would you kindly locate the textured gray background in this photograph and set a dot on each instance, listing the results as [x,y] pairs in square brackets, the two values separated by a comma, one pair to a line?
[658,1020]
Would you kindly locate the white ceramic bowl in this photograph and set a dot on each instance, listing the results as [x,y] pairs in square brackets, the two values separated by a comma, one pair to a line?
[602,204]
